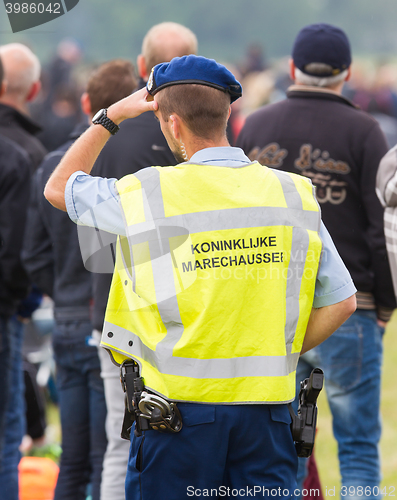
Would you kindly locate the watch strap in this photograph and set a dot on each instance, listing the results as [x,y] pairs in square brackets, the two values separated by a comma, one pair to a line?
[107,123]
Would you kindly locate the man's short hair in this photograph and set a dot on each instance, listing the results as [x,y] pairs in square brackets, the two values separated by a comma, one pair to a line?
[109,83]
[165,41]
[319,81]
[204,109]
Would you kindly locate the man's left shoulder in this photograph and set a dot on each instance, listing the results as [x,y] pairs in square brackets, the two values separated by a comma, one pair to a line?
[297,179]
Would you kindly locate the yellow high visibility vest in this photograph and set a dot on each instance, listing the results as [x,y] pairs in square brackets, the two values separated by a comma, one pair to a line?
[214,281]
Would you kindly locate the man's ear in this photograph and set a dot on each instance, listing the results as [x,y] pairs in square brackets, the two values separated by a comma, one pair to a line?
[291,69]
[175,126]
[141,65]
[34,91]
[349,74]
[85,104]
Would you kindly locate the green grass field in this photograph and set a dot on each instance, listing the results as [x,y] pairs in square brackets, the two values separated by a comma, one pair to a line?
[326,447]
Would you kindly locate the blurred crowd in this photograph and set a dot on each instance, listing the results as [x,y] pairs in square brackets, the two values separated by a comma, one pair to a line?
[372,87]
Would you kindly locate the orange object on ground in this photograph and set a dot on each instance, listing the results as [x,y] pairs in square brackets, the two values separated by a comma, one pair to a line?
[37,478]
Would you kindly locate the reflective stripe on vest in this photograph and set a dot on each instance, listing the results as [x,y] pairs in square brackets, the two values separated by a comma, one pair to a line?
[156,229]
[252,366]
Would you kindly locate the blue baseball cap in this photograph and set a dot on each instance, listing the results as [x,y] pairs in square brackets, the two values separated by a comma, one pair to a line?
[325,44]
[193,69]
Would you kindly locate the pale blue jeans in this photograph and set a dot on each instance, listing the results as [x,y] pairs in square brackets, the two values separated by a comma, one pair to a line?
[351,360]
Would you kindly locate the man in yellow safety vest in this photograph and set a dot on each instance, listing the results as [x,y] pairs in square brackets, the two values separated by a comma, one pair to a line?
[217,289]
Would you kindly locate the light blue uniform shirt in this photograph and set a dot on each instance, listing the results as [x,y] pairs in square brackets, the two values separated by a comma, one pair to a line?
[93,201]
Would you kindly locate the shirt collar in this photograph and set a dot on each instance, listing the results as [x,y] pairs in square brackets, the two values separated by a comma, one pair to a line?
[10,115]
[308,91]
[220,156]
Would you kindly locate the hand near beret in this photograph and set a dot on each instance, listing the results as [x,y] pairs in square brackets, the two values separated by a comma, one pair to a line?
[132,106]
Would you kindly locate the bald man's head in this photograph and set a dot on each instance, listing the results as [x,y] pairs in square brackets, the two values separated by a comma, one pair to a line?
[163,42]
[21,73]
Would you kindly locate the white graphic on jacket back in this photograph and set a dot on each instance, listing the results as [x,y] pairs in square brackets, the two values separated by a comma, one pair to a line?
[327,187]
[313,163]
[271,155]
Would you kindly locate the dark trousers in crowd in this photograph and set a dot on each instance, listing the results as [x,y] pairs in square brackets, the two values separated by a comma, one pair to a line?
[82,410]
[14,423]
[5,364]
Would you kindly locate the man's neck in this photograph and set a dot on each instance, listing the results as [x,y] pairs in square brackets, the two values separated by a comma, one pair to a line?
[336,89]
[196,145]
[21,107]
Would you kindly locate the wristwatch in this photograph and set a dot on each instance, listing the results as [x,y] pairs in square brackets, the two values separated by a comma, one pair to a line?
[101,118]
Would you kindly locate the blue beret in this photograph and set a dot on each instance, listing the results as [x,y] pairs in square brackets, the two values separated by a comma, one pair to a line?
[322,43]
[193,69]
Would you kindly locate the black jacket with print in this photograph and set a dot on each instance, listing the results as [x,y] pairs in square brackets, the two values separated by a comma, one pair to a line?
[322,135]
[14,197]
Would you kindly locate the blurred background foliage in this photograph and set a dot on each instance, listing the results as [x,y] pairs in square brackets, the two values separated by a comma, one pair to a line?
[114,28]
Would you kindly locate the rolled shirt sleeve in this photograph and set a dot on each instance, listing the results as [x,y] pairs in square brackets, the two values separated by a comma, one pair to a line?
[94,201]
[334,282]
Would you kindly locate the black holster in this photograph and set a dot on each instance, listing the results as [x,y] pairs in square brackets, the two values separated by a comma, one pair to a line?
[147,410]
[303,425]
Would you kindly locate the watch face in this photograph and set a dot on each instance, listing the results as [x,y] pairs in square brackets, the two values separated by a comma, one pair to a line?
[98,115]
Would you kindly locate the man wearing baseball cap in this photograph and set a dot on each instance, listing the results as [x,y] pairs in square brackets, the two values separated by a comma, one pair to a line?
[318,133]
[208,312]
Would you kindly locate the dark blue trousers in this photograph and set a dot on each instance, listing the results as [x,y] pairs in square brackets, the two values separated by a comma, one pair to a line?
[238,451]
